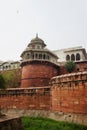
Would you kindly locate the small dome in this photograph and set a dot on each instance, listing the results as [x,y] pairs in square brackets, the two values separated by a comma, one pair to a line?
[37,40]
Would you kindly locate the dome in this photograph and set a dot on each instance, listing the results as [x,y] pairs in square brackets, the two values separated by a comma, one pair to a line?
[37,40]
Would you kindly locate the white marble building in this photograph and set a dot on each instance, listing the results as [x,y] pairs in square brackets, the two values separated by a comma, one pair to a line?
[8,65]
[71,54]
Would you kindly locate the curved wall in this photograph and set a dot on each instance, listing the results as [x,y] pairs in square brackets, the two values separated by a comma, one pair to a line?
[38,73]
[69,93]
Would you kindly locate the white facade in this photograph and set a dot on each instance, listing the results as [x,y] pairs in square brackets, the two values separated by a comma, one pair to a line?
[73,54]
[9,65]
[60,54]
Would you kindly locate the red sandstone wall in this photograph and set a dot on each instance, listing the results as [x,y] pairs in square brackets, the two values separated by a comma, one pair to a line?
[69,93]
[62,70]
[81,66]
[38,74]
[36,99]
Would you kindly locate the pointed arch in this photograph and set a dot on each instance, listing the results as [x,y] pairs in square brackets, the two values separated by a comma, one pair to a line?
[72,57]
[77,56]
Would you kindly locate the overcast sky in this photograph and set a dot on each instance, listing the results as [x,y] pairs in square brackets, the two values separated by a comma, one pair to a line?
[60,23]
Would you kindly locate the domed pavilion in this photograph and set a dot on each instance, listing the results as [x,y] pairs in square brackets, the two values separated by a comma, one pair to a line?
[38,64]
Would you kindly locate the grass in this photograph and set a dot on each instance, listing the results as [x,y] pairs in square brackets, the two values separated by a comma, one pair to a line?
[39,123]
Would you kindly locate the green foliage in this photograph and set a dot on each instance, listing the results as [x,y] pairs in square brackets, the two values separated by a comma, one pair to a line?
[9,77]
[70,66]
[12,78]
[38,123]
[2,82]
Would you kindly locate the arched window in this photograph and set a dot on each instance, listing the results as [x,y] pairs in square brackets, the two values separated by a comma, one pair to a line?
[33,56]
[48,57]
[77,56]
[44,56]
[36,56]
[72,57]
[67,57]
[40,56]
[27,57]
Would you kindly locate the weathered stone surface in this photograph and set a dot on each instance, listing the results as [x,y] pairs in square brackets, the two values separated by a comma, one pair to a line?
[10,123]
[59,116]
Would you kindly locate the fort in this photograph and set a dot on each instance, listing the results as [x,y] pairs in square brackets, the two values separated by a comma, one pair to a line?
[46,88]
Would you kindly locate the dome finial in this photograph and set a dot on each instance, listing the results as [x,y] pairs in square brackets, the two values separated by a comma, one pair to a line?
[36,35]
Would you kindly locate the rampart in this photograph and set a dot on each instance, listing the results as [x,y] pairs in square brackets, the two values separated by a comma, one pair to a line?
[65,99]
[69,93]
[25,98]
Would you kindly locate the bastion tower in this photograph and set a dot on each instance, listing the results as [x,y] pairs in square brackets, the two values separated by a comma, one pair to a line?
[38,64]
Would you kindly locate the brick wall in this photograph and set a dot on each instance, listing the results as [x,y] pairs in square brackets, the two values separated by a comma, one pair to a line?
[69,93]
[62,70]
[33,98]
[38,73]
[81,66]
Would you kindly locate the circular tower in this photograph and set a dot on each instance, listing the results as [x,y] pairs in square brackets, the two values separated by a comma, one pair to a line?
[38,64]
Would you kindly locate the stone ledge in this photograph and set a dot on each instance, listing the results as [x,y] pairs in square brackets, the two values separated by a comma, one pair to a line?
[10,122]
[56,115]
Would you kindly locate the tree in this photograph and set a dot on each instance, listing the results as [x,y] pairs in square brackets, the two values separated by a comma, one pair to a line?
[2,86]
[70,66]
[12,78]
[2,82]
